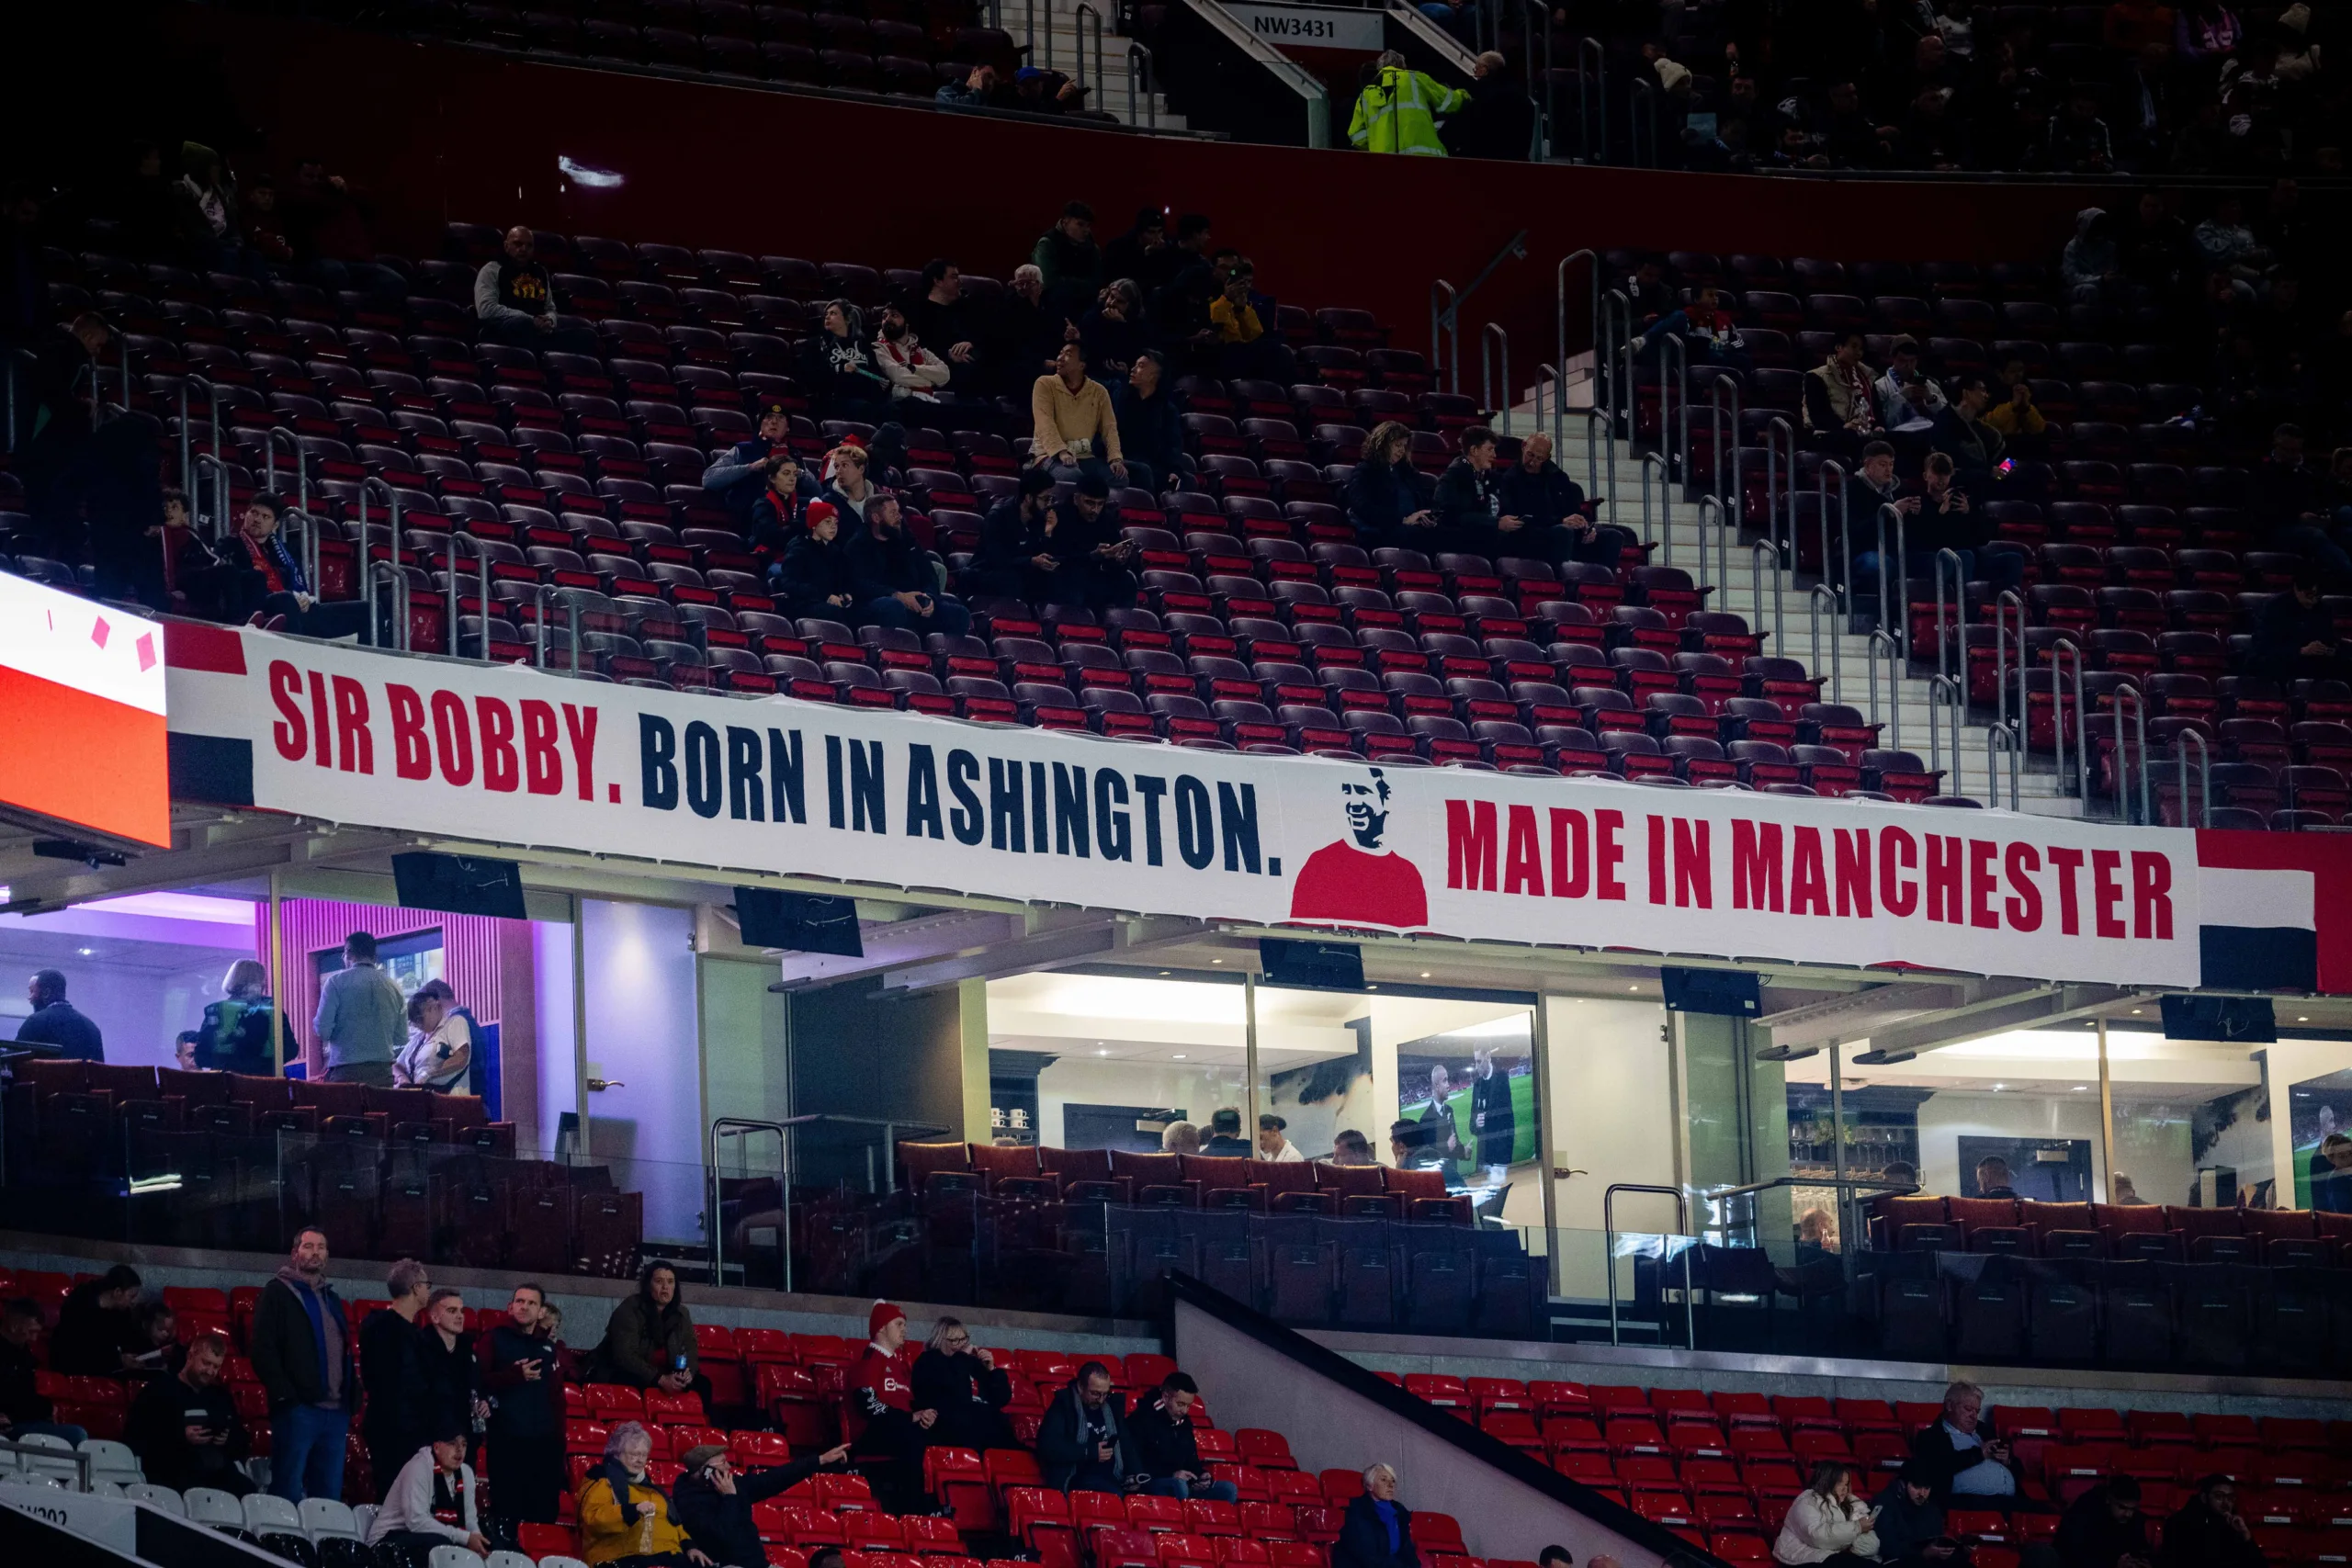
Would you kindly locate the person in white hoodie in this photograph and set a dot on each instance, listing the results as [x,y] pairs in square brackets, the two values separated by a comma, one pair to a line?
[912,370]
[435,1477]
[1827,1522]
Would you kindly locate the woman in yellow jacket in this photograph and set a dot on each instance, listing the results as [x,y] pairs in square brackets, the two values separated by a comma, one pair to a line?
[624,1517]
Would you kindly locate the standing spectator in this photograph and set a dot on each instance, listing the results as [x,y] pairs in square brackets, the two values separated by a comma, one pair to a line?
[747,471]
[269,584]
[1494,1120]
[25,1411]
[185,1429]
[814,579]
[97,1326]
[1838,396]
[1387,497]
[302,1356]
[714,1503]
[624,1516]
[209,225]
[1068,261]
[915,373]
[452,1375]
[1082,1443]
[892,579]
[239,1031]
[650,1339]
[1168,1454]
[1151,427]
[523,1376]
[2208,1532]
[515,301]
[1963,1455]
[1500,120]
[2294,638]
[881,1391]
[395,1419]
[1377,1531]
[1076,428]
[1027,334]
[433,1483]
[838,367]
[1225,1141]
[361,1020]
[56,1021]
[962,1382]
[1827,1522]
[1272,1146]
[1399,109]
[2104,1528]
[440,1053]
[1909,1516]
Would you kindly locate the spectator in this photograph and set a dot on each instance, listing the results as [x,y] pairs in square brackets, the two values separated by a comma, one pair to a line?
[301,1353]
[1082,1443]
[714,1503]
[433,1488]
[2288,495]
[1399,109]
[1827,1522]
[892,579]
[515,300]
[1151,427]
[1272,1147]
[1168,1456]
[2077,141]
[914,373]
[156,1346]
[778,515]
[1011,555]
[2294,638]
[1901,1172]
[1555,1557]
[1868,487]
[551,1330]
[1225,1140]
[1902,370]
[881,1391]
[182,575]
[1554,505]
[97,1326]
[1113,333]
[650,1339]
[1469,505]
[1838,396]
[1246,344]
[2209,1533]
[360,1021]
[1076,429]
[25,1411]
[1028,333]
[1180,1138]
[522,1374]
[1709,334]
[184,1051]
[267,584]
[1377,1531]
[1500,120]
[1817,1237]
[209,220]
[1438,1118]
[439,1056]
[395,1421]
[184,1428]
[1088,558]
[1068,261]
[850,485]
[963,1383]
[1947,519]
[1144,255]
[56,1021]
[1387,497]
[1352,1147]
[624,1516]
[1962,1453]
[750,470]
[2012,414]
[1993,1178]
[2330,1181]
[814,578]
[1653,299]
[1908,1517]
[1413,1147]
[238,1035]
[838,367]
[452,1375]
[975,91]
[2104,1528]
[326,221]
[941,318]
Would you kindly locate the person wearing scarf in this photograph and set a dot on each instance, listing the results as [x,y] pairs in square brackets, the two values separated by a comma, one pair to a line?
[624,1517]
[270,587]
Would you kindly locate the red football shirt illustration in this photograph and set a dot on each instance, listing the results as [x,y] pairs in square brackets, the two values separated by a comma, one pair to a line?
[1355,881]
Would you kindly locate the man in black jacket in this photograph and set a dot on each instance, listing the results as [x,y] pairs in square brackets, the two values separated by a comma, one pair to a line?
[1151,427]
[1083,1444]
[2208,1532]
[301,1353]
[391,1369]
[2104,1528]
[713,1504]
[1089,555]
[891,577]
[24,1409]
[1470,513]
[1167,1454]
[1500,120]
[522,1375]
[98,1329]
[1558,515]
[2294,639]
[1009,561]
[185,1429]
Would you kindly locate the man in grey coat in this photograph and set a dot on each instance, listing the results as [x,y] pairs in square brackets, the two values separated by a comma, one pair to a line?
[362,1020]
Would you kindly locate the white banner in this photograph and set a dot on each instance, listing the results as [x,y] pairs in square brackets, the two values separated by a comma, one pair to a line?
[1312,27]
[509,755]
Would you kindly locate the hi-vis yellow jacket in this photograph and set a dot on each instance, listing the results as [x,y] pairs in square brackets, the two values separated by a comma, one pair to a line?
[1399,111]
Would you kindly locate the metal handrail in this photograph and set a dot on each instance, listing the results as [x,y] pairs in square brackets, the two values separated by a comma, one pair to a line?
[1672,347]
[1537,17]
[1560,318]
[1819,592]
[1759,551]
[1945,640]
[1641,96]
[2204,776]
[391,542]
[1596,102]
[1078,14]
[399,579]
[213,400]
[2001,604]
[17,355]
[84,1463]
[1903,559]
[2122,759]
[481,557]
[308,553]
[540,594]
[1029,11]
[784,1192]
[1443,325]
[1771,487]
[1608,1247]
[301,461]
[1729,493]
[1139,60]
[1722,582]
[207,463]
[1488,336]
[1944,692]
[1881,636]
[1834,568]
[1666,546]
[1617,306]
[2058,718]
[2001,737]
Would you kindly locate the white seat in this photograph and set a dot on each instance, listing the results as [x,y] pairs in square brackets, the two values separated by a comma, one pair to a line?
[159,1497]
[265,1513]
[106,1488]
[452,1557]
[42,1454]
[325,1516]
[211,1505]
[509,1560]
[110,1460]
[33,1478]
[561,1561]
[363,1518]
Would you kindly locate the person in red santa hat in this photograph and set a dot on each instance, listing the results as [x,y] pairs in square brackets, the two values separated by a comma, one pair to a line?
[881,1389]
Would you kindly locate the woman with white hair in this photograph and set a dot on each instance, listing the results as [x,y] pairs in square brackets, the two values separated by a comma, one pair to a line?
[1378,1529]
[236,1033]
[624,1517]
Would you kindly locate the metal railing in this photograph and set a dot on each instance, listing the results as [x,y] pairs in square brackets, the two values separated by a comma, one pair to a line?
[1609,1249]
[1721,582]
[1886,611]
[1560,312]
[307,545]
[299,459]
[1666,539]
[223,523]
[1834,567]
[541,595]
[739,1127]
[1592,100]
[1945,697]
[1764,561]
[1948,642]
[2204,776]
[1489,336]
[482,558]
[1819,592]
[399,580]
[392,540]
[1079,15]
[2138,704]
[1672,347]
[2000,738]
[1641,112]
[2007,599]
[1880,638]
[1537,20]
[1443,328]
[18,357]
[2058,718]
[1139,64]
[1727,475]
[213,400]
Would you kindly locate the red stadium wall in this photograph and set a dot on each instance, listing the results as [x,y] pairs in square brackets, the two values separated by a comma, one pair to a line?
[439,133]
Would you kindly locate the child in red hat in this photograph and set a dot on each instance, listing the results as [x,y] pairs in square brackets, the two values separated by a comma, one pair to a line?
[881,1389]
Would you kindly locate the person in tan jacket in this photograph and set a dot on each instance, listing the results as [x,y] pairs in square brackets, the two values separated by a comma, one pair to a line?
[1077,430]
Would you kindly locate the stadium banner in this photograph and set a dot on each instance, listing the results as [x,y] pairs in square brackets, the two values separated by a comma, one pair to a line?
[512,755]
[81,699]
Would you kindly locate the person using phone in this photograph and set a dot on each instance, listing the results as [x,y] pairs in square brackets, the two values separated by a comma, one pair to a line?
[1827,1522]
[185,1429]
[892,580]
[1964,1456]
[522,1373]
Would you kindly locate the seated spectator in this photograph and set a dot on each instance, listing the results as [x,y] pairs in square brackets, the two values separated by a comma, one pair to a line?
[157,1351]
[514,299]
[1415,1145]
[975,91]
[1827,1522]
[1112,332]
[440,1052]
[1399,108]
[435,1500]
[1870,486]
[237,1031]
[2012,415]
[2207,1531]
[813,578]
[1083,1444]
[2077,141]
[2294,638]
[1838,397]
[2104,1528]
[1388,498]
[914,373]
[962,1382]
[650,1339]
[1975,447]
[624,1516]
[268,586]
[1907,1517]
[1247,344]
[1949,519]
[326,222]
[185,1427]
[1352,1147]
[1143,254]
[1151,427]
[1272,1146]
[1817,1236]
[1009,558]
[1079,557]
[174,568]
[1377,1531]
[2291,503]
[97,1326]
[1183,1138]
[1709,334]
[56,1021]
[1993,1178]
[1028,333]
[1225,1140]
[1076,429]
[850,484]
[1553,506]
[1960,1453]
[713,1502]
[749,471]
[893,581]
[838,367]
[944,321]
[1167,1458]
[779,514]
[1468,504]
[1902,370]
[2332,1185]
[25,1411]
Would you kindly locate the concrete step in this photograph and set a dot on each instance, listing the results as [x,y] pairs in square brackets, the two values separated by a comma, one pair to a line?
[1056,44]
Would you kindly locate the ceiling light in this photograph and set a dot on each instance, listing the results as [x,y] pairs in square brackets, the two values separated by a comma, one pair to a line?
[2000,1086]
[1633,987]
[2301,1020]
[2135,1012]
[1180,1056]
[1216,959]
[85,951]
[1425,973]
[2082,1089]
[1165,972]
